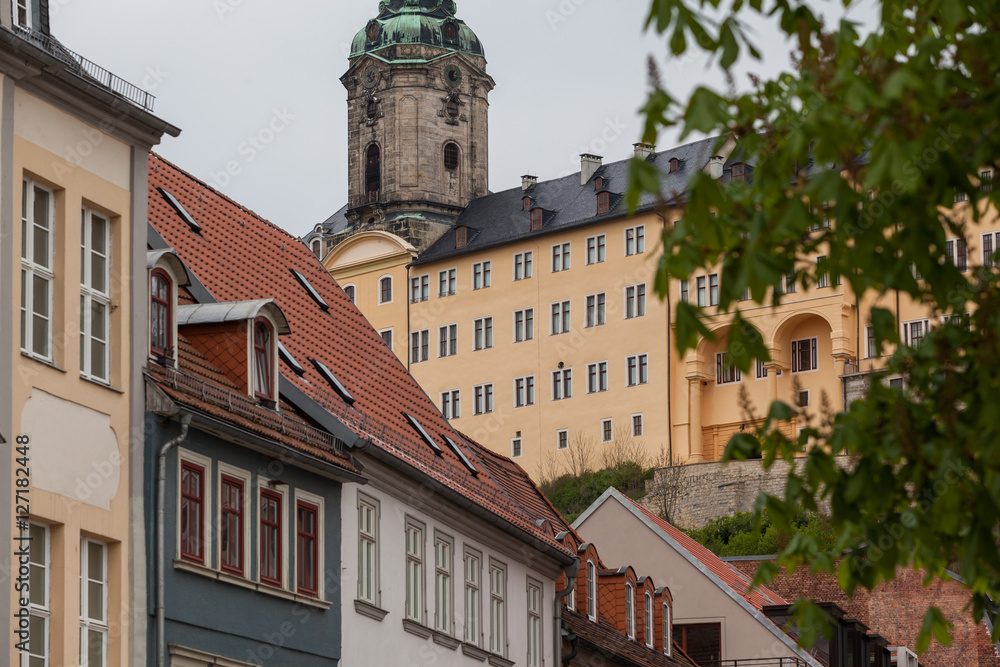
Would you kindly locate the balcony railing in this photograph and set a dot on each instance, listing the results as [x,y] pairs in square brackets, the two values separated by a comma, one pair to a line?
[88,69]
[757,662]
[864,366]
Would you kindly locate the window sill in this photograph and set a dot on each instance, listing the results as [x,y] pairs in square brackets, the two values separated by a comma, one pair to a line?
[370,610]
[499,661]
[208,572]
[103,385]
[474,651]
[447,641]
[44,362]
[417,628]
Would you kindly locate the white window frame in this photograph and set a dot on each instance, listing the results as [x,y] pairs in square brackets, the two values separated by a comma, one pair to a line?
[535,602]
[319,503]
[762,370]
[482,275]
[635,301]
[648,608]
[596,310]
[43,611]
[483,398]
[91,297]
[498,608]
[607,430]
[422,338]
[591,591]
[392,289]
[725,371]
[908,331]
[372,538]
[88,624]
[562,384]
[599,371]
[597,250]
[420,288]
[685,291]
[351,291]
[523,265]
[447,282]
[448,337]
[416,568]
[822,279]
[562,439]
[482,334]
[637,433]
[701,291]
[30,270]
[668,631]
[637,244]
[524,391]
[451,404]
[391,343]
[29,19]
[991,239]
[561,320]
[516,447]
[524,328]
[630,610]
[713,289]
[281,490]
[444,586]
[814,347]
[562,256]
[185,455]
[951,252]
[637,369]
[799,395]
[473,598]
[244,476]
[872,350]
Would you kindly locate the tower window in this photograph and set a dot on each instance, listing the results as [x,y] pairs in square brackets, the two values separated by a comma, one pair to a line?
[451,156]
[373,31]
[372,109]
[450,32]
[373,171]
[452,108]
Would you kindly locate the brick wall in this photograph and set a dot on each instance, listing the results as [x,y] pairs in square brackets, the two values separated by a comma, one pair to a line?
[896,609]
[692,495]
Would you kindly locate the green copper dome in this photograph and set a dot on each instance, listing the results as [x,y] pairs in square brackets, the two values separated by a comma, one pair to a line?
[429,22]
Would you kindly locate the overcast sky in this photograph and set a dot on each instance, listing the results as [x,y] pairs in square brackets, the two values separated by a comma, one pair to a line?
[570,74]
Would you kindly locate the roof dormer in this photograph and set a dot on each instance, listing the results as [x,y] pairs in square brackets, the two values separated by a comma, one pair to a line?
[241,339]
[461,237]
[537,219]
[166,273]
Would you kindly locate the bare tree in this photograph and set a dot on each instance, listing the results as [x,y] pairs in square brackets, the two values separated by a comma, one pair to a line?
[579,457]
[666,487]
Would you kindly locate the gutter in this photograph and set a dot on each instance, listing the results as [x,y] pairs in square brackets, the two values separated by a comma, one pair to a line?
[161,493]
[571,572]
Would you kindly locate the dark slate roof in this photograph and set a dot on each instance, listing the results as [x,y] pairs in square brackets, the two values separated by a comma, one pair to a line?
[498,218]
[335,224]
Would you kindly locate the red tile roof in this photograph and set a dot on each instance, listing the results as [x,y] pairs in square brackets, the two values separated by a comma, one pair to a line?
[759,598]
[622,649]
[239,256]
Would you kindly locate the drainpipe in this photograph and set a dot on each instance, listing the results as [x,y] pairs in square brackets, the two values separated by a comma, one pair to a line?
[161,493]
[571,572]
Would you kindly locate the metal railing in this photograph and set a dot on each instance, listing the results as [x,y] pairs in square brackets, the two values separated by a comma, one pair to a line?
[88,69]
[757,662]
[864,366]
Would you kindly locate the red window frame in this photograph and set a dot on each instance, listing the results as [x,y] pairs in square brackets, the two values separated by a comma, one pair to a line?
[307,544]
[270,534]
[231,526]
[526,203]
[192,511]
[598,184]
[263,357]
[164,305]
[536,219]
[603,203]
[675,165]
[461,237]
[739,172]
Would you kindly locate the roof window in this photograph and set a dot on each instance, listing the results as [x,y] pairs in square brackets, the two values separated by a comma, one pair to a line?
[598,184]
[312,291]
[461,237]
[181,211]
[536,219]
[461,456]
[334,382]
[287,357]
[423,434]
[526,203]
[675,165]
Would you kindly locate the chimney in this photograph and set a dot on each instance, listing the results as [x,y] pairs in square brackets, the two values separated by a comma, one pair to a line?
[643,151]
[715,165]
[528,182]
[589,164]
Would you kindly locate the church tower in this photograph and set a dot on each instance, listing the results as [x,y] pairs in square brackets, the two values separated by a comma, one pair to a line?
[417,95]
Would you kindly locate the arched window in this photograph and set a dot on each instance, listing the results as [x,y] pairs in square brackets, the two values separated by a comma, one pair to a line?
[263,356]
[371,109]
[316,248]
[451,156]
[598,184]
[385,290]
[536,220]
[675,165]
[526,203]
[630,610]
[591,590]
[450,31]
[649,620]
[667,634]
[373,172]
[349,291]
[603,203]
[161,336]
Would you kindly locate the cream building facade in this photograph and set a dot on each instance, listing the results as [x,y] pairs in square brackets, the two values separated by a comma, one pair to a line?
[73,161]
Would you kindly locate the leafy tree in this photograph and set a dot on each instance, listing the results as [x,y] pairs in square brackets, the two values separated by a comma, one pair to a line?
[742,535]
[885,129]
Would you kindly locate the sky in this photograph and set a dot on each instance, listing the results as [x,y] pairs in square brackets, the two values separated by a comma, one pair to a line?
[258,82]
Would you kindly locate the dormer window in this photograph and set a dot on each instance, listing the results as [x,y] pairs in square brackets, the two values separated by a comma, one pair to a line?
[461,237]
[603,203]
[160,321]
[22,13]
[263,356]
[675,165]
[526,203]
[739,172]
[598,184]
[536,220]
[316,248]
[450,31]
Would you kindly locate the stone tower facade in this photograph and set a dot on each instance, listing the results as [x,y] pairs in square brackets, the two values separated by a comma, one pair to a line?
[418,120]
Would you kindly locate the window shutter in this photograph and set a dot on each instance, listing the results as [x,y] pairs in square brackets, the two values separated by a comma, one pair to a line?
[815,353]
[795,356]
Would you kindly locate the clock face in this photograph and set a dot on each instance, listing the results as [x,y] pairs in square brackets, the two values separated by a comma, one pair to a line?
[453,76]
[371,78]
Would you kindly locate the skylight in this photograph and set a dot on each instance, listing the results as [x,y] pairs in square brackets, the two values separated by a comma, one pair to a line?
[181,211]
[423,434]
[312,291]
[461,455]
[334,382]
[290,360]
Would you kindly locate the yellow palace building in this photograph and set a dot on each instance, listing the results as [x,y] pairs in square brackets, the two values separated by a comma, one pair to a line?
[74,147]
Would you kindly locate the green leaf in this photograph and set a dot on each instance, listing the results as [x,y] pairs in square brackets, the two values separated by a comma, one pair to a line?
[644,178]
[935,626]
[690,329]
[707,112]
[883,324]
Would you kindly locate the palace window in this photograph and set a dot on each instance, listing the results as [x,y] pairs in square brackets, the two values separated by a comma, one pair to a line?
[231,524]
[534,624]
[451,407]
[637,426]
[420,346]
[37,228]
[635,240]
[805,355]
[448,340]
[562,384]
[524,325]
[638,369]
[447,282]
[562,439]
[560,257]
[483,333]
[522,265]
[607,430]
[95,296]
[385,290]
[483,398]
[914,332]
[603,203]
[498,609]
[597,377]
[536,219]
[596,249]
[39,591]
[560,317]
[524,391]
[420,288]
[443,548]
[635,299]
[94,628]
[957,251]
[192,523]
[473,606]
[481,275]
[596,311]
[725,371]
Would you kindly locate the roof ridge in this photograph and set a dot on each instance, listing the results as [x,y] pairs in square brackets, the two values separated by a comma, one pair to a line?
[221,194]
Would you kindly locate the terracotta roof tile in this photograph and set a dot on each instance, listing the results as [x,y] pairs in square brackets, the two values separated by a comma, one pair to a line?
[239,256]
[609,640]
